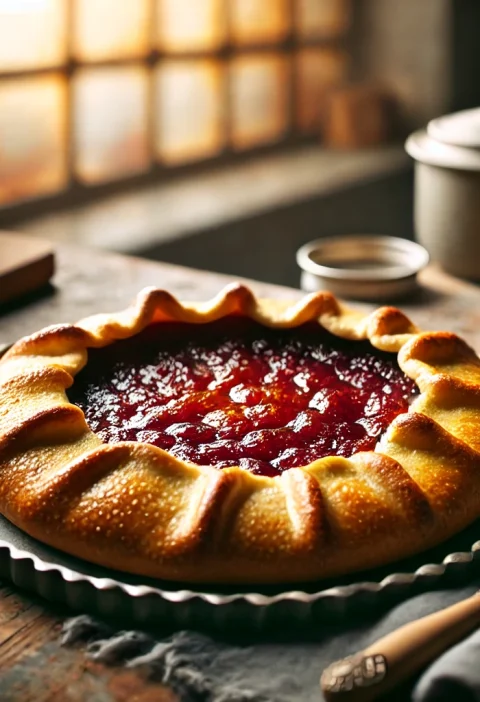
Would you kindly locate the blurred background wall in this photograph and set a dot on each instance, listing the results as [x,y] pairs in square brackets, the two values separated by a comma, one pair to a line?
[222,134]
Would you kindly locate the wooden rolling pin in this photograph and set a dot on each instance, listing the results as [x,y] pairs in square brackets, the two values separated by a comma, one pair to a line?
[397,656]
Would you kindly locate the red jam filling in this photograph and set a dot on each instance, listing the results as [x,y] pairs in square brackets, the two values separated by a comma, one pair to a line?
[234,393]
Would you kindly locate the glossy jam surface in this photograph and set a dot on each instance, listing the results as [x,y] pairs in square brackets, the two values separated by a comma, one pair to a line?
[233,392]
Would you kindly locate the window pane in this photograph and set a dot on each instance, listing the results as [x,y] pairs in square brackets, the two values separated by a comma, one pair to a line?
[105,29]
[110,112]
[317,70]
[190,25]
[32,34]
[32,137]
[260,94]
[259,21]
[322,18]
[189,102]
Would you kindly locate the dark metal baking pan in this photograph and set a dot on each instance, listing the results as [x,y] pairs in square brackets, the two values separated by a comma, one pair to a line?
[163,605]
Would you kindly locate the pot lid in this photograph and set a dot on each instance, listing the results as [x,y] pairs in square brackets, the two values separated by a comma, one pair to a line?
[426,149]
[459,129]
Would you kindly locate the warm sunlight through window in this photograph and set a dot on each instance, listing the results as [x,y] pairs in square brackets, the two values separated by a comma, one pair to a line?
[94,92]
[33,34]
[186,26]
[32,137]
[110,143]
[110,29]
[189,99]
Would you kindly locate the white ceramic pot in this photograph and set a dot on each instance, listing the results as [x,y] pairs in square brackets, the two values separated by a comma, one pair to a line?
[447,191]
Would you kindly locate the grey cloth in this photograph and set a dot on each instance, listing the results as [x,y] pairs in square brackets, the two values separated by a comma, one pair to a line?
[200,668]
[454,676]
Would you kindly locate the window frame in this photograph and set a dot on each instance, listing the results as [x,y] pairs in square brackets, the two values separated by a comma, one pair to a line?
[77,192]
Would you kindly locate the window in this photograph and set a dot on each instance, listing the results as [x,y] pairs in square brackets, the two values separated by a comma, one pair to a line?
[97,92]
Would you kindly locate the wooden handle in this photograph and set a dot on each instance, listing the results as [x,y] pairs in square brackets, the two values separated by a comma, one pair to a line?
[395,657]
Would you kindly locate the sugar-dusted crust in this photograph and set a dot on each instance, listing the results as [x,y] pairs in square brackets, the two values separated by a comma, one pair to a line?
[136,508]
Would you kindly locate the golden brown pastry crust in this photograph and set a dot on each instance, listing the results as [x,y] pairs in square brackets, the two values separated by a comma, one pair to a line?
[136,508]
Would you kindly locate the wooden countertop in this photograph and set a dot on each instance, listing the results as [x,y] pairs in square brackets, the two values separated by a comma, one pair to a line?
[33,665]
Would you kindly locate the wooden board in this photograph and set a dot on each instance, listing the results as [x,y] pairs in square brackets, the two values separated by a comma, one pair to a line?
[26,264]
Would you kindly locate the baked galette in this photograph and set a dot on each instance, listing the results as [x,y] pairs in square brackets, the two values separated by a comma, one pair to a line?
[240,440]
